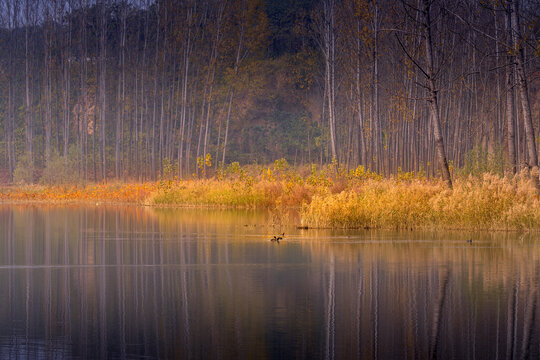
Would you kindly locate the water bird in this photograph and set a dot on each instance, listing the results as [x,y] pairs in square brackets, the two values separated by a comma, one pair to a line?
[277,238]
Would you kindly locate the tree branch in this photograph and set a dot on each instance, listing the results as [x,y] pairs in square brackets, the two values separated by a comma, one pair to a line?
[410,57]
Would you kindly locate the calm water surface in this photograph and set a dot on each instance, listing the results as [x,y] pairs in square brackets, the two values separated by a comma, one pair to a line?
[132,282]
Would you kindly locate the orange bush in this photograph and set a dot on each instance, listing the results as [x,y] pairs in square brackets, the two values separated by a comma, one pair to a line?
[117,192]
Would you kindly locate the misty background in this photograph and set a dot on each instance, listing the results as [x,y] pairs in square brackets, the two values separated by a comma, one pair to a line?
[95,90]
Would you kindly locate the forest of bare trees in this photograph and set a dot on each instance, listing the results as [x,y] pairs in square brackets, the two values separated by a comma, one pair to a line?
[137,89]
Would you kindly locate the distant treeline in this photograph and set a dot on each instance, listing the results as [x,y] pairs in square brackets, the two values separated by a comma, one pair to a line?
[99,89]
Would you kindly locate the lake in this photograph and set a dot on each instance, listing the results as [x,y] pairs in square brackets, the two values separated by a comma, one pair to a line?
[82,281]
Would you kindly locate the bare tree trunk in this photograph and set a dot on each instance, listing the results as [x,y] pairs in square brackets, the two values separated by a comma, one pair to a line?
[498,98]
[47,85]
[183,114]
[66,84]
[214,65]
[153,145]
[28,106]
[203,108]
[191,119]
[143,97]
[218,145]
[161,110]
[231,96]
[523,91]
[432,102]
[207,125]
[83,101]
[10,125]
[510,102]
[375,116]
[121,91]
[329,56]
[102,87]
[12,9]
[237,60]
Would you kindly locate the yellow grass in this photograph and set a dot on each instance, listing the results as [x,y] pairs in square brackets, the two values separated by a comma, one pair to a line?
[328,198]
[112,192]
[231,193]
[492,202]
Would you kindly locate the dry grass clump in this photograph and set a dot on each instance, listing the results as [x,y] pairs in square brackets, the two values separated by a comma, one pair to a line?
[232,193]
[250,186]
[329,196]
[373,204]
[492,202]
[111,192]
[212,193]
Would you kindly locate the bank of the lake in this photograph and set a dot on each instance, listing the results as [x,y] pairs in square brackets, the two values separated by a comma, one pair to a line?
[356,199]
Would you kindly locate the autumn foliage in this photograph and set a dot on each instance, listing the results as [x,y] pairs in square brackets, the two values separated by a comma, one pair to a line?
[330,197]
[117,192]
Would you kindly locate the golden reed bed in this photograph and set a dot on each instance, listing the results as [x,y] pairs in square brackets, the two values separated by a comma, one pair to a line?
[355,199]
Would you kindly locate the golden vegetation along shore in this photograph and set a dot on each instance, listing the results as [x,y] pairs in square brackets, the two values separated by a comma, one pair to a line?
[491,202]
[329,198]
[112,193]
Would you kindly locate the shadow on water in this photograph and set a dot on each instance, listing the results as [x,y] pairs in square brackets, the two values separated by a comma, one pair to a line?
[134,282]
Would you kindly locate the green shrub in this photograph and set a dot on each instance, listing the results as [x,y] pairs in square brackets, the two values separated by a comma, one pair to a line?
[478,162]
[24,171]
[61,170]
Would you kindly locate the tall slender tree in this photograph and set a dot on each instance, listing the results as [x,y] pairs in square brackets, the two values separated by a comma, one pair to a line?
[523,86]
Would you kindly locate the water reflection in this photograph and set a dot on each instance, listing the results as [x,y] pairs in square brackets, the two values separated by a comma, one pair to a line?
[132,282]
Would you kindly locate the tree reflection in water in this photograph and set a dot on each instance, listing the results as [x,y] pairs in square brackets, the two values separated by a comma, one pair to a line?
[128,282]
